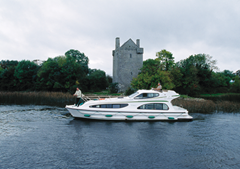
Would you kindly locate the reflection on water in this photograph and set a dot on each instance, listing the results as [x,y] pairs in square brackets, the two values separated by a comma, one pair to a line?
[47,137]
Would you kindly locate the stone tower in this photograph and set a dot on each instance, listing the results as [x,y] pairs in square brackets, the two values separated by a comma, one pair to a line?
[127,61]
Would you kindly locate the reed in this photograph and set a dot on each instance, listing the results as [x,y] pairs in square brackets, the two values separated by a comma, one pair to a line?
[37,98]
[207,106]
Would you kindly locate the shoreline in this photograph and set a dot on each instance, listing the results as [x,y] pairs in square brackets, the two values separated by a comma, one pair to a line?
[193,105]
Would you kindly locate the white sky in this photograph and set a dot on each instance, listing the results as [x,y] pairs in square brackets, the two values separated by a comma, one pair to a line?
[39,29]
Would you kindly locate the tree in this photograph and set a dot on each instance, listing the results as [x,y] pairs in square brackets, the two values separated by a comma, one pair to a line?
[7,79]
[25,74]
[79,58]
[197,74]
[97,80]
[235,87]
[8,63]
[152,73]
[148,80]
[176,77]
[109,79]
[48,74]
[150,66]
[166,59]
[113,88]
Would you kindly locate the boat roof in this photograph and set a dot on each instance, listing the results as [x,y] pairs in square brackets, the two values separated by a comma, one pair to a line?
[154,91]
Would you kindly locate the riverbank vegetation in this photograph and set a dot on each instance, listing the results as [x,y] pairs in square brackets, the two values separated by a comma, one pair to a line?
[207,106]
[192,76]
[37,98]
[59,74]
[193,105]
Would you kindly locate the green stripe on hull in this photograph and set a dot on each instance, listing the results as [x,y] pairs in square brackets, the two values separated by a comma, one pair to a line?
[151,117]
[109,115]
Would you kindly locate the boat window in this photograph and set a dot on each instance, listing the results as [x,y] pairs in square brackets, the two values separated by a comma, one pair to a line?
[123,105]
[159,106]
[165,107]
[115,106]
[149,106]
[109,106]
[141,107]
[150,95]
[103,106]
[154,106]
[147,95]
[133,95]
[95,106]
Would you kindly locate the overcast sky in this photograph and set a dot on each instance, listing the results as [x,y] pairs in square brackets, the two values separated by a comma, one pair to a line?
[42,29]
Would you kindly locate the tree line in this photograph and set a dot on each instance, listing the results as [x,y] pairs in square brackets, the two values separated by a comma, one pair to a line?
[192,76]
[62,73]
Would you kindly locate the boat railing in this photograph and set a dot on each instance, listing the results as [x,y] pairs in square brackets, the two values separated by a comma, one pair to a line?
[97,97]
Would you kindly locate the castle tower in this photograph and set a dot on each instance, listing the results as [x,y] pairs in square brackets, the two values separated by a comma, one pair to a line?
[127,62]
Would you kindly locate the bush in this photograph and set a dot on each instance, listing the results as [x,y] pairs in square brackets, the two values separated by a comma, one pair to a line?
[113,88]
[129,91]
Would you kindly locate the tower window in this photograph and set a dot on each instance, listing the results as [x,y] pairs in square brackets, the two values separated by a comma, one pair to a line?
[131,73]
[130,55]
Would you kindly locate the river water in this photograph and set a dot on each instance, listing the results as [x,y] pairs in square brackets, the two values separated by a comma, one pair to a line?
[47,137]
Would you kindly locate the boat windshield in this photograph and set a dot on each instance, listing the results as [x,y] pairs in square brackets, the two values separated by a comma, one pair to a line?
[133,95]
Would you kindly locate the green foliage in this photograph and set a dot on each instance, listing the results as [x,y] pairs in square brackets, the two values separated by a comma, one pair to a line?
[7,79]
[79,58]
[8,63]
[166,59]
[148,80]
[109,80]
[1,70]
[25,75]
[235,87]
[152,73]
[196,74]
[49,73]
[62,73]
[150,66]
[129,91]
[176,77]
[97,80]
[191,76]
[113,88]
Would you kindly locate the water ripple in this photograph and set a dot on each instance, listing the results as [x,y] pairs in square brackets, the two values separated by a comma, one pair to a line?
[47,137]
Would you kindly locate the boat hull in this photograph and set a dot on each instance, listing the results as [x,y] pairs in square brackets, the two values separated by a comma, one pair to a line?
[179,115]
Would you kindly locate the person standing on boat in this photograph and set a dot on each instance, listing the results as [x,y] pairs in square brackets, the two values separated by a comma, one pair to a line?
[159,88]
[79,96]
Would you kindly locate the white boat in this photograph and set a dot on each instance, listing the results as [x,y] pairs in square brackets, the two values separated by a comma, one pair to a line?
[143,105]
